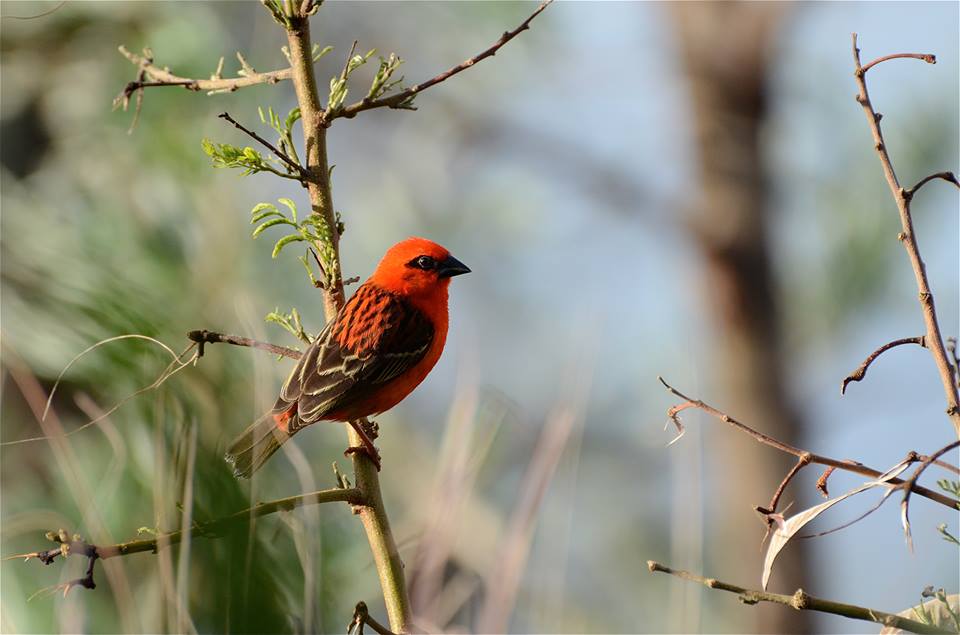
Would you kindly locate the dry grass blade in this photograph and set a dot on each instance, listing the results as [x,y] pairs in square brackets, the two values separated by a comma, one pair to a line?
[174,367]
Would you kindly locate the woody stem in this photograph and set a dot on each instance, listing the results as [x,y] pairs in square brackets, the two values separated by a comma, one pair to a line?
[373,514]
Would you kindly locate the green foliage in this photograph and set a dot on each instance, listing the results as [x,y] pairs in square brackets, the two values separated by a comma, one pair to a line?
[291,322]
[942,528]
[950,487]
[313,229]
[285,131]
[382,82]
[942,609]
[338,84]
[225,155]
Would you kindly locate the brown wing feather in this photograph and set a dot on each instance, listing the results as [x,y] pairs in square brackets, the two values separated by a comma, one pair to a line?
[375,338]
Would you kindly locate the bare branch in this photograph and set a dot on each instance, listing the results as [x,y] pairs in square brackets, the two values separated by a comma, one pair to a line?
[933,339]
[163,77]
[949,177]
[802,462]
[211,529]
[859,373]
[912,481]
[361,618]
[296,167]
[204,336]
[802,601]
[929,58]
[398,100]
[849,466]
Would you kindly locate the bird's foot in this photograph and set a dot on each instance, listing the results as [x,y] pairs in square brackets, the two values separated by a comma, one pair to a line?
[370,428]
[371,453]
[366,443]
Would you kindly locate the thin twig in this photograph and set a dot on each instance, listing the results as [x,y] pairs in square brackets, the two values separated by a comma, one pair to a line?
[849,466]
[361,618]
[912,481]
[949,177]
[859,373]
[802,462]
[926,57]
[802,601]
[398,100]
[296,167]
[933,339]
[204,336]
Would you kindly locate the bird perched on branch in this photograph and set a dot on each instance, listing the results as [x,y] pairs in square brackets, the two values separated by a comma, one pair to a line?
[378,348]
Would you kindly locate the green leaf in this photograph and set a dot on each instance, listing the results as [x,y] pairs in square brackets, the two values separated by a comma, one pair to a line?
[290,205]
[270,223]
[283,242]
[262,206]
[259,217]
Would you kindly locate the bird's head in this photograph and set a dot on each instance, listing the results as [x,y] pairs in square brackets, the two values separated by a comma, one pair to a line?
[417,268]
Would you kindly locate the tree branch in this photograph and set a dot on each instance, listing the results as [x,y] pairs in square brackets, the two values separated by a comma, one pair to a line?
[373,515]
[296,167]
[204,336]
[802,601]
[849,466]
[859,373]
[912,481]
[949,177]
[163,77]
[210,529]
[926,57]
[398,100]
[933,339]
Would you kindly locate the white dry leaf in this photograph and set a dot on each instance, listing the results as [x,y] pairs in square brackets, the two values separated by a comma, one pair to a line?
[789,527]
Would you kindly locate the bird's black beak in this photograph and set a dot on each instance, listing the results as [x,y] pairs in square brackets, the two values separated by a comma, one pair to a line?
[451,267]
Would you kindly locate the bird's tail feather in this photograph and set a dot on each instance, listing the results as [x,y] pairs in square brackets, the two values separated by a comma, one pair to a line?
[255,445]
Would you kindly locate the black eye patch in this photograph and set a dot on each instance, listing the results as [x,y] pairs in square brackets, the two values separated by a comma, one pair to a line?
[423,262]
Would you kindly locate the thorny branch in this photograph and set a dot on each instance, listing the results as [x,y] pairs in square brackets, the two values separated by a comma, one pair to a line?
[849,466]
[803,601]
[861,370]
[933,339]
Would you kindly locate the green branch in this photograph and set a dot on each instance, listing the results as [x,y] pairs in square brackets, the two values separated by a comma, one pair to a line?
[802,601]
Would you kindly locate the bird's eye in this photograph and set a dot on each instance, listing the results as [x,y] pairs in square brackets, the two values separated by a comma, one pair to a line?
[425,262]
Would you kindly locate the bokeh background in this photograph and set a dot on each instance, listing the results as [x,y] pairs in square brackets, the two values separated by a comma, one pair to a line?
[641,189]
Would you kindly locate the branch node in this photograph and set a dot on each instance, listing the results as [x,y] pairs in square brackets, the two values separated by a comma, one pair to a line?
[801,600]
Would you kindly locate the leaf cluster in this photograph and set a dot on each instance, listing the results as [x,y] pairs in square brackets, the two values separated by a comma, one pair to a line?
[312,229]
[291,322]
[383,82]
[225,155]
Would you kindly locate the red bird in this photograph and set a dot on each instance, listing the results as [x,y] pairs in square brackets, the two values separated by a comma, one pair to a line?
[378,348]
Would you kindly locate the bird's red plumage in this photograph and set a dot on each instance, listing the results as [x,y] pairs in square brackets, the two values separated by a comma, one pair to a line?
[374,353]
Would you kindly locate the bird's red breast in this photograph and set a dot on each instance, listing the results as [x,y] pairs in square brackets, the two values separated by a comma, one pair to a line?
[380,346]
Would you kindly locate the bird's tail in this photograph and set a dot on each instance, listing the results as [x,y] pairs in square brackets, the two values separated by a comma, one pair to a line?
[255,445]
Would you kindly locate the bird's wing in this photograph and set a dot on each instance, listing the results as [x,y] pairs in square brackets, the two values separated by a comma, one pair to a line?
[375,338]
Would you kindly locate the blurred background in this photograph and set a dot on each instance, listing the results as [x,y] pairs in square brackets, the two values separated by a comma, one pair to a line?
[641,189]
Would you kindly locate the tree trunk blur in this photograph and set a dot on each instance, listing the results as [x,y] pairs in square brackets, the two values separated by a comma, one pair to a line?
[726,49]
